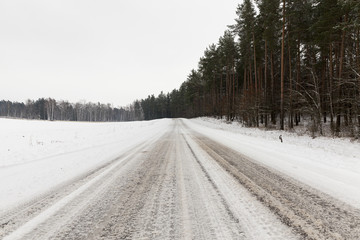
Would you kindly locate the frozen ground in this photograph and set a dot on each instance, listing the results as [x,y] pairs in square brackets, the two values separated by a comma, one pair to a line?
[174,179]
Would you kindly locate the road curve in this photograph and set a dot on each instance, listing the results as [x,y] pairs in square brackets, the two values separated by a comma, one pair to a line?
[183,186]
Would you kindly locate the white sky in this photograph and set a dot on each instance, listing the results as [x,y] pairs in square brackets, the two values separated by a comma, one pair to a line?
[109,51]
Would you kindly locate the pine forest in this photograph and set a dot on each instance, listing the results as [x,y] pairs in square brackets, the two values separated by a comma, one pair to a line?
[280,62]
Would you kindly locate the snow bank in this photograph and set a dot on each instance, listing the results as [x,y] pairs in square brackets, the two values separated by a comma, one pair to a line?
[327,164]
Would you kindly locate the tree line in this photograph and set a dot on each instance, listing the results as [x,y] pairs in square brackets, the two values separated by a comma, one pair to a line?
[50,109]
[281,61]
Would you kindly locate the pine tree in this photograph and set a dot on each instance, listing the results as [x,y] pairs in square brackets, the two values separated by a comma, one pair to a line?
[227,54]
[244,27]
[209,68]
[269,21]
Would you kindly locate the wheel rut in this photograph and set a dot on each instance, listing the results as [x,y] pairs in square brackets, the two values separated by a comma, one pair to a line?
[314,215]
[18,216]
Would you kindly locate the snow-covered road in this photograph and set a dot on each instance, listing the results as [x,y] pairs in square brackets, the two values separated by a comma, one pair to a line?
[178,182]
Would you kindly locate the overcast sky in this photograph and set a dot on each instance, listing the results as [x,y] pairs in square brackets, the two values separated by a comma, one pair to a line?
[109,51]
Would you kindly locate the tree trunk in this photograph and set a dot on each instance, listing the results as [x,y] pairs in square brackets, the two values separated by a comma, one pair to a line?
[227,94]
[341,64]
[358,77]
[331,80]
[265,87]
[245,80]
[323,87]
[256,85]
[291,122]
[298,69]
[282,71]
[221,94]
[233,90]
[273,111]
[251,94]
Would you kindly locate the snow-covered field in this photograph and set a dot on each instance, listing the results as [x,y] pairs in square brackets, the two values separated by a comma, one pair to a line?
[331,165]
[180,169]
[38,155]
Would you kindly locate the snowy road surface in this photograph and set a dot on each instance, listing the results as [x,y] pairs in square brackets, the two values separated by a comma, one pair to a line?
[181,184]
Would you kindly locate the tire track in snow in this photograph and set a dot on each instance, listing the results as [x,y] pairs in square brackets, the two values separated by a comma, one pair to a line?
[208,208]
[312,214]
[14,218]
[213,184]
[183,204]
[253,220]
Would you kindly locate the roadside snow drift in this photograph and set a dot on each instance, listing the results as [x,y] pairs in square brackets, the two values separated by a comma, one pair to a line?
[329,165]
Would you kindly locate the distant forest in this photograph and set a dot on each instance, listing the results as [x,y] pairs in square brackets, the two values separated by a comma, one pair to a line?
[281,61]
[50,109]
